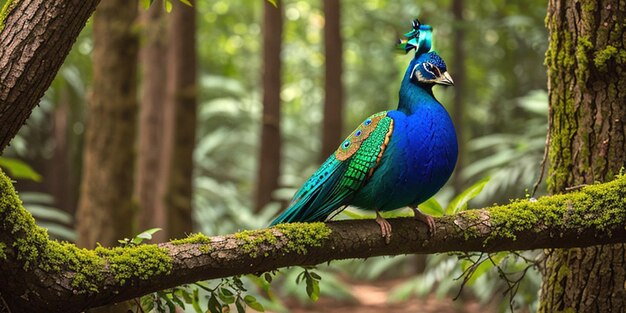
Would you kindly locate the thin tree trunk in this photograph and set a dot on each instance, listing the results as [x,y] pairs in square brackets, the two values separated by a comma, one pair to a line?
[333,87]
[459,82]
[150,161]
[269,150]
[105,207]
[587,86]
[181,124]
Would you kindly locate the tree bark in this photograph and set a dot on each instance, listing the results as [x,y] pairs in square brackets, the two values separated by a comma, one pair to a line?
[36,38]
[150,160]
[269,149]
[181,109]
[41,275]
[105,207]
[333,86]
[587,86]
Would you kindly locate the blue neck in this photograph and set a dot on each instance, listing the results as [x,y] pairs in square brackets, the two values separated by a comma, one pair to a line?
[412,96]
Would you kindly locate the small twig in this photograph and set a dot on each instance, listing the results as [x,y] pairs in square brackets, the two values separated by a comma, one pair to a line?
[4,303]
[576,187]
[467,274]
[139,308]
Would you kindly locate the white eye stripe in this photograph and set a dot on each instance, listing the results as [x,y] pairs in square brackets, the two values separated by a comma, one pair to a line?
[413,70]
[427,70]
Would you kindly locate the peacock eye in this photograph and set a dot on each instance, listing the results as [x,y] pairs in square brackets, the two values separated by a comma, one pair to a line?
[429,67]
[345,144]
[367,122]
[358,133]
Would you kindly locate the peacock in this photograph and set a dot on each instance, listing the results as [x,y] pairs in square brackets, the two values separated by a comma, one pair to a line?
[393,159]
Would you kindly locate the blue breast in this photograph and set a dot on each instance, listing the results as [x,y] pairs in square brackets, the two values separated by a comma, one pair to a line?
[419,159]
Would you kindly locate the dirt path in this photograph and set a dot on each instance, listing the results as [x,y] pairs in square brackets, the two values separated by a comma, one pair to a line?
[372,298]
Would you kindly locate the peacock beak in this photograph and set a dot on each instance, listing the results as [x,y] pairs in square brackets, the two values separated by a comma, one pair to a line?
[445,79]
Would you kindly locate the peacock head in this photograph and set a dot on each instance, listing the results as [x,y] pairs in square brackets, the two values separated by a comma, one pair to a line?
[429,69]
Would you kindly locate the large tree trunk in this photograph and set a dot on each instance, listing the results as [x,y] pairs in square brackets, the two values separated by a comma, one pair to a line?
[587,84]
[269,150]
[105,207]
[33,45]
[150,160]
[333,87]
[181,114]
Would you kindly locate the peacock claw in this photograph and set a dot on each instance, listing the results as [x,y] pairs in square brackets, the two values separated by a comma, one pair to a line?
[385,227]
[426,219]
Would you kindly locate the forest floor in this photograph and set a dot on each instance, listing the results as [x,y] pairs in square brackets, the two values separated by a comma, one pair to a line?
[372,297]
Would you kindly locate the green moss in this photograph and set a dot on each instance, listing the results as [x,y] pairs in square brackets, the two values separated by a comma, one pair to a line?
[598,207]
[253,239]
[601,57]
[143,261]
[299,237]
[304,235]
[84,267]
[3,255]
[193,238]
[8,6]
[197,238]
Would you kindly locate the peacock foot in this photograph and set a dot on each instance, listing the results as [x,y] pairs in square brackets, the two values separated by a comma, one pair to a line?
[426,219]
[385,227]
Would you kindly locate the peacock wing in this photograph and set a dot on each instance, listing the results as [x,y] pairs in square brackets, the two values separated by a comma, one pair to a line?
[342,174]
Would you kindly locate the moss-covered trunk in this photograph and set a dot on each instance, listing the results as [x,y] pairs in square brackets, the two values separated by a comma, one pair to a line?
[105,208]
[587,84]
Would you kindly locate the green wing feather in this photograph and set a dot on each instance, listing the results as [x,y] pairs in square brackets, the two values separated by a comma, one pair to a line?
[342,174]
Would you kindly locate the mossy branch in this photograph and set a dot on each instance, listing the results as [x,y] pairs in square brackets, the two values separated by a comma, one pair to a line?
[42,274]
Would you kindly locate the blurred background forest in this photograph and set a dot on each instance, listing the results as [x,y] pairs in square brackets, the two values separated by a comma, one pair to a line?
[208,118]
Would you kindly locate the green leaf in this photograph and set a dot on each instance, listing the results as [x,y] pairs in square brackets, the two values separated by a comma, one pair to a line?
[312,288]
[226,295]
[253,304]
[273,2]
[240,307]
[147,234]
[186,2]
[196,301]
[178,301]
[214,305]
[168,6]
[315,276]
[18,169]
[147,3]
[431,207]
[459,203]
[186,295]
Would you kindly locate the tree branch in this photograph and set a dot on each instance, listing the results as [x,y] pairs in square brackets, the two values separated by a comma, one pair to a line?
[39,273]
[38,36]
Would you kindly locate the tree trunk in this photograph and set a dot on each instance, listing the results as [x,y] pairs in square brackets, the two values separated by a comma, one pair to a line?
[587,85]
[105,207]
[37,38]
[181,114]
[333,87]
[150,160]
[459,83]
[269,150]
